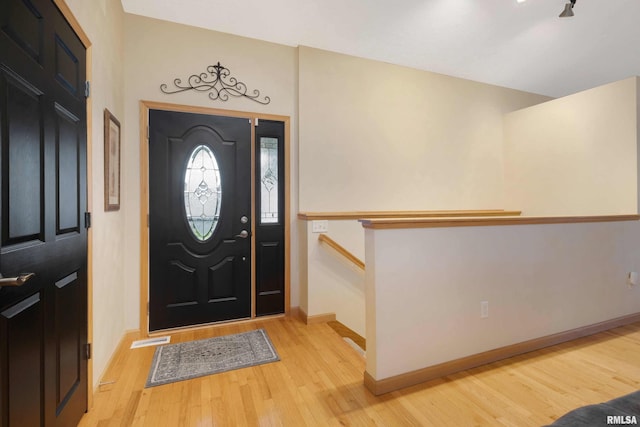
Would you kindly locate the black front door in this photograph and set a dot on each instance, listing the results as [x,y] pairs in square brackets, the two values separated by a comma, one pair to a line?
[43,317]
[199,219]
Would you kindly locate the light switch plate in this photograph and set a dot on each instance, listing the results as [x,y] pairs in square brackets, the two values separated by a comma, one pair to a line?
[320,226]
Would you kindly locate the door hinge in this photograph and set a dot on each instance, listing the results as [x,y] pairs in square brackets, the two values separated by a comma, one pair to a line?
[87,220]
[87,89]
[257,121]
[147,308]
[87,350]
[147,133]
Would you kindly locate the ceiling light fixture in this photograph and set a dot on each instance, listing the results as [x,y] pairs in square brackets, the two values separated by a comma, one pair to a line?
[568,10]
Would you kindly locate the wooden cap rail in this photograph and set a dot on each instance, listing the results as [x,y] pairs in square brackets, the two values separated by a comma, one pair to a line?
[341,250]
[389,223]
[404,214]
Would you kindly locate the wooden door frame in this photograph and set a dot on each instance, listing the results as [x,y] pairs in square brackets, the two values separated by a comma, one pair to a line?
[145,106]
[86,42]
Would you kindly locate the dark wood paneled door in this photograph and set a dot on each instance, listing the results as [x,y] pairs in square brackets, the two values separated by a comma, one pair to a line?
[43,321]
[199,219]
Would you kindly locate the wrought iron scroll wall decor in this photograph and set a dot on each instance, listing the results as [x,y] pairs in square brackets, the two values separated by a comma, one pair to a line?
[218,82]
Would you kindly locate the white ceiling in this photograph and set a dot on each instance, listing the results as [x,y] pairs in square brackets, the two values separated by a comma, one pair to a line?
[518,45]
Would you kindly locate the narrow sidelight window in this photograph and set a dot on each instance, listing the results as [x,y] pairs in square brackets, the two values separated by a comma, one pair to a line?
[269,180]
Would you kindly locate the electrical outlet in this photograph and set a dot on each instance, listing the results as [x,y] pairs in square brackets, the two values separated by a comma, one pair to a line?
[320,226]
[484,309]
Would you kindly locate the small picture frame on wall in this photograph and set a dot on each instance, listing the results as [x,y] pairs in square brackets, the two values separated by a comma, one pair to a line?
[111,162]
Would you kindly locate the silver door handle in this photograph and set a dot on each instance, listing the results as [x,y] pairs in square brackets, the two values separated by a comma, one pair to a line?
[15,281]
[243,234]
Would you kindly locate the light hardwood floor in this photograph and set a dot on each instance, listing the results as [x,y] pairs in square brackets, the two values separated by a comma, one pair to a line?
[319,382]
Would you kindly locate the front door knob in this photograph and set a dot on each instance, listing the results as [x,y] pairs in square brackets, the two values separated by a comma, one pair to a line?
[243,234]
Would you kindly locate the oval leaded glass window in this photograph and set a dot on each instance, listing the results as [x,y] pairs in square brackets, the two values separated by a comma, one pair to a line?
[202,192]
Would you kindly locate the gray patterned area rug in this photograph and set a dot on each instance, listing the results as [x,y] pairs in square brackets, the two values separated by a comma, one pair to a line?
[183,361]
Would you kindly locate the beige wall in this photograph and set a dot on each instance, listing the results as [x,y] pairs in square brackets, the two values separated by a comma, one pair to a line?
[575,155]
[425,286]
[376,136]
[157,52]
[102,21]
